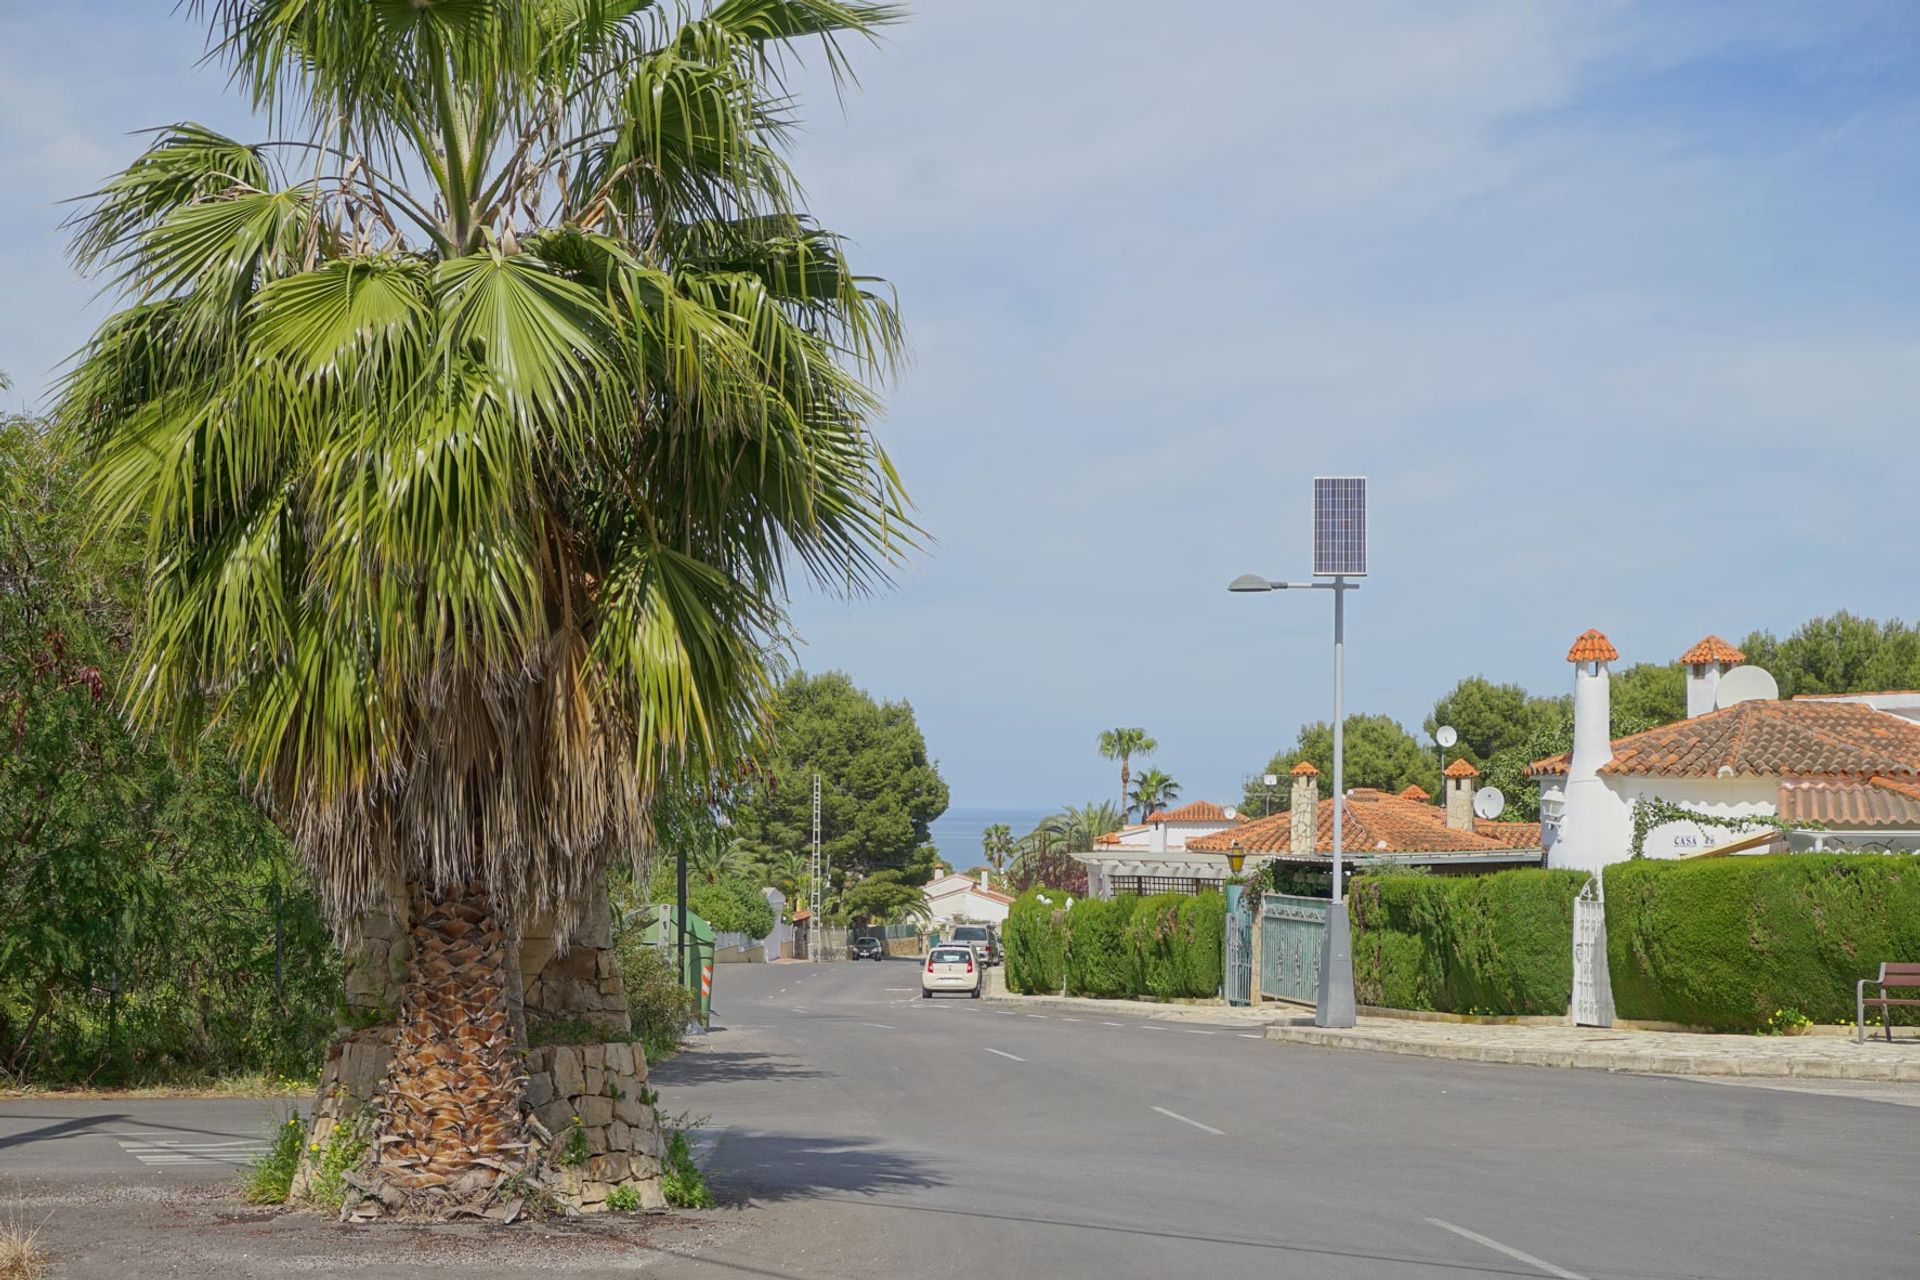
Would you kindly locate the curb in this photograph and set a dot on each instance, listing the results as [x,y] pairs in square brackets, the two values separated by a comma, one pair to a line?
[1595,1059]
[1130,1008]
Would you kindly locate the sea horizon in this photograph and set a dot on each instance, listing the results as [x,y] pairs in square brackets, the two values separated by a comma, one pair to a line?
[957,832]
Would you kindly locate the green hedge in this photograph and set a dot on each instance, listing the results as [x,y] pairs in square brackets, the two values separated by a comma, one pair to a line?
[1499,943]
[1166,946]
[1034,939]
[1726,942]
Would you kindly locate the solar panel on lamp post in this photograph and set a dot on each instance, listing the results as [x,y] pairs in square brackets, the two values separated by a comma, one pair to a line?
[1339,552]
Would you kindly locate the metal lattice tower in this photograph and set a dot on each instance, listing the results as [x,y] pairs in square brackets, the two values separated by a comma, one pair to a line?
[817,880]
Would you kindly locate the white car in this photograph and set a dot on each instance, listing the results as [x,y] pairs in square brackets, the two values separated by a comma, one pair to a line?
[951,967]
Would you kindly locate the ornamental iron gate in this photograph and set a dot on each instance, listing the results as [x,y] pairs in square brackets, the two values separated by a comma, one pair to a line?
[1238,966]
[1290,932]
[1592,988]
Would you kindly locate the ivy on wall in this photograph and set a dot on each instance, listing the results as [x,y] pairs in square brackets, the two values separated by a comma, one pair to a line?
[1651,813]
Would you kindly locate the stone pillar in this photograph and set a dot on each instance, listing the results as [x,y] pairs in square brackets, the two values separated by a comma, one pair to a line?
[1304,824]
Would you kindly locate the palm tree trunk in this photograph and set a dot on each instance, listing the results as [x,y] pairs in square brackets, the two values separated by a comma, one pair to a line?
[448,1128]
[1125,777]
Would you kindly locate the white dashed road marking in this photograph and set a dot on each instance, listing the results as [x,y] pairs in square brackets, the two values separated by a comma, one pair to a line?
[1175,1115]
[1248,1035]
[1004,1054]
[883,1026]
[1546,1268]
[172,1151]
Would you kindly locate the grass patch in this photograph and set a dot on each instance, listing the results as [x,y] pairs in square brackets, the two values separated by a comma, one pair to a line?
[681,1181]
[21,1257]
[624,1198]
[269,1178]
[346,1147]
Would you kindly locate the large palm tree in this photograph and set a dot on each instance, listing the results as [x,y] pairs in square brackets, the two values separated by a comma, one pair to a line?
[1123,745]
[1154,790]
[475,422]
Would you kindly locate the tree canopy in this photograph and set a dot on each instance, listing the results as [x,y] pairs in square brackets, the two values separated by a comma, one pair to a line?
[151,921]
[879,790]
[1841,653]
[1379,753]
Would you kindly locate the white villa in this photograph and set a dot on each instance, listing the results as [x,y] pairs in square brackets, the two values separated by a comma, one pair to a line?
[955,899]
[1848,765]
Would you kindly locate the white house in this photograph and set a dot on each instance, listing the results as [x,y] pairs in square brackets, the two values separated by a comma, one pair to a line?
[1157,847]
[1848,763]
[955,899]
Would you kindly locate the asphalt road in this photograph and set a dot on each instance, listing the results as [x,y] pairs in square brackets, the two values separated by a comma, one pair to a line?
[888,1135]
[858,1130]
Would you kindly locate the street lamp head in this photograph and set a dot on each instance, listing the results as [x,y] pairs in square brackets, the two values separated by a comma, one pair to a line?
[1250,582]
[1236,857]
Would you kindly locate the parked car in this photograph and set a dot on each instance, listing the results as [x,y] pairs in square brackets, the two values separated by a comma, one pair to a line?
[981,938]
[951,968]
[869,949]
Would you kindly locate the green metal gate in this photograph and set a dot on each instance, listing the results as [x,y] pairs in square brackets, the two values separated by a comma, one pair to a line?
[1290,932]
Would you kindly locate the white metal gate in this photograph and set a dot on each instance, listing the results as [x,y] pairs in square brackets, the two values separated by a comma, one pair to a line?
[1592,989]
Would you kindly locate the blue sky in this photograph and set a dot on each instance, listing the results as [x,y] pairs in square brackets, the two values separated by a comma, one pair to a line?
[1615,304]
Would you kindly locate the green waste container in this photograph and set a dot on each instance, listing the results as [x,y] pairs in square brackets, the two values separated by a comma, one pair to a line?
[697,976]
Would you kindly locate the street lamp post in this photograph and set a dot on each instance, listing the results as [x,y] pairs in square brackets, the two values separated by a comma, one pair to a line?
[1335,1004]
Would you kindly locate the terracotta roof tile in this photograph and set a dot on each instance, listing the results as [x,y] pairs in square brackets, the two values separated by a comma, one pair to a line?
[1711,649]
[1849,802]
[1414,792]
[1304,769]
[1592,647]
[1197,811]
[1512,835]
[1375,822]
[1461,768]
[1763,738]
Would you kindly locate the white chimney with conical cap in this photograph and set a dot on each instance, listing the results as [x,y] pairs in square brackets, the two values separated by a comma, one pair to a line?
[1706,662]
[1595,821]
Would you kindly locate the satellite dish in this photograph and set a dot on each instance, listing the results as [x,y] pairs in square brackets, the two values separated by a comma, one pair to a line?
[1489,803]
[1231,813]
[1445,736]
[1745,684]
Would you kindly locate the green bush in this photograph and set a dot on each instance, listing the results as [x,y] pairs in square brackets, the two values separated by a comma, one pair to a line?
[731,906]
[658,1007]
[1202,934]
[1151,925]
[1098,960]
[1035,940]
[1499,943]
[1726,942]
[1166,946]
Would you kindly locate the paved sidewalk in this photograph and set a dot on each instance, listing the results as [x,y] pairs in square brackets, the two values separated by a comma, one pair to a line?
[1613,1049]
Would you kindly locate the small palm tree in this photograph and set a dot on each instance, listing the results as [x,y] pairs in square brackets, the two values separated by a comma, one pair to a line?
[1123,745]
[1078,826]
[1153,791]
[788,872]
[717,857]
[996,846]
[475,424]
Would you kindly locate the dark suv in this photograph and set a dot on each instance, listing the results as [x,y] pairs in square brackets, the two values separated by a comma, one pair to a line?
[869,949]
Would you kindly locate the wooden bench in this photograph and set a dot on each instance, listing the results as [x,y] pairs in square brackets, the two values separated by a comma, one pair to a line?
[1900,977]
